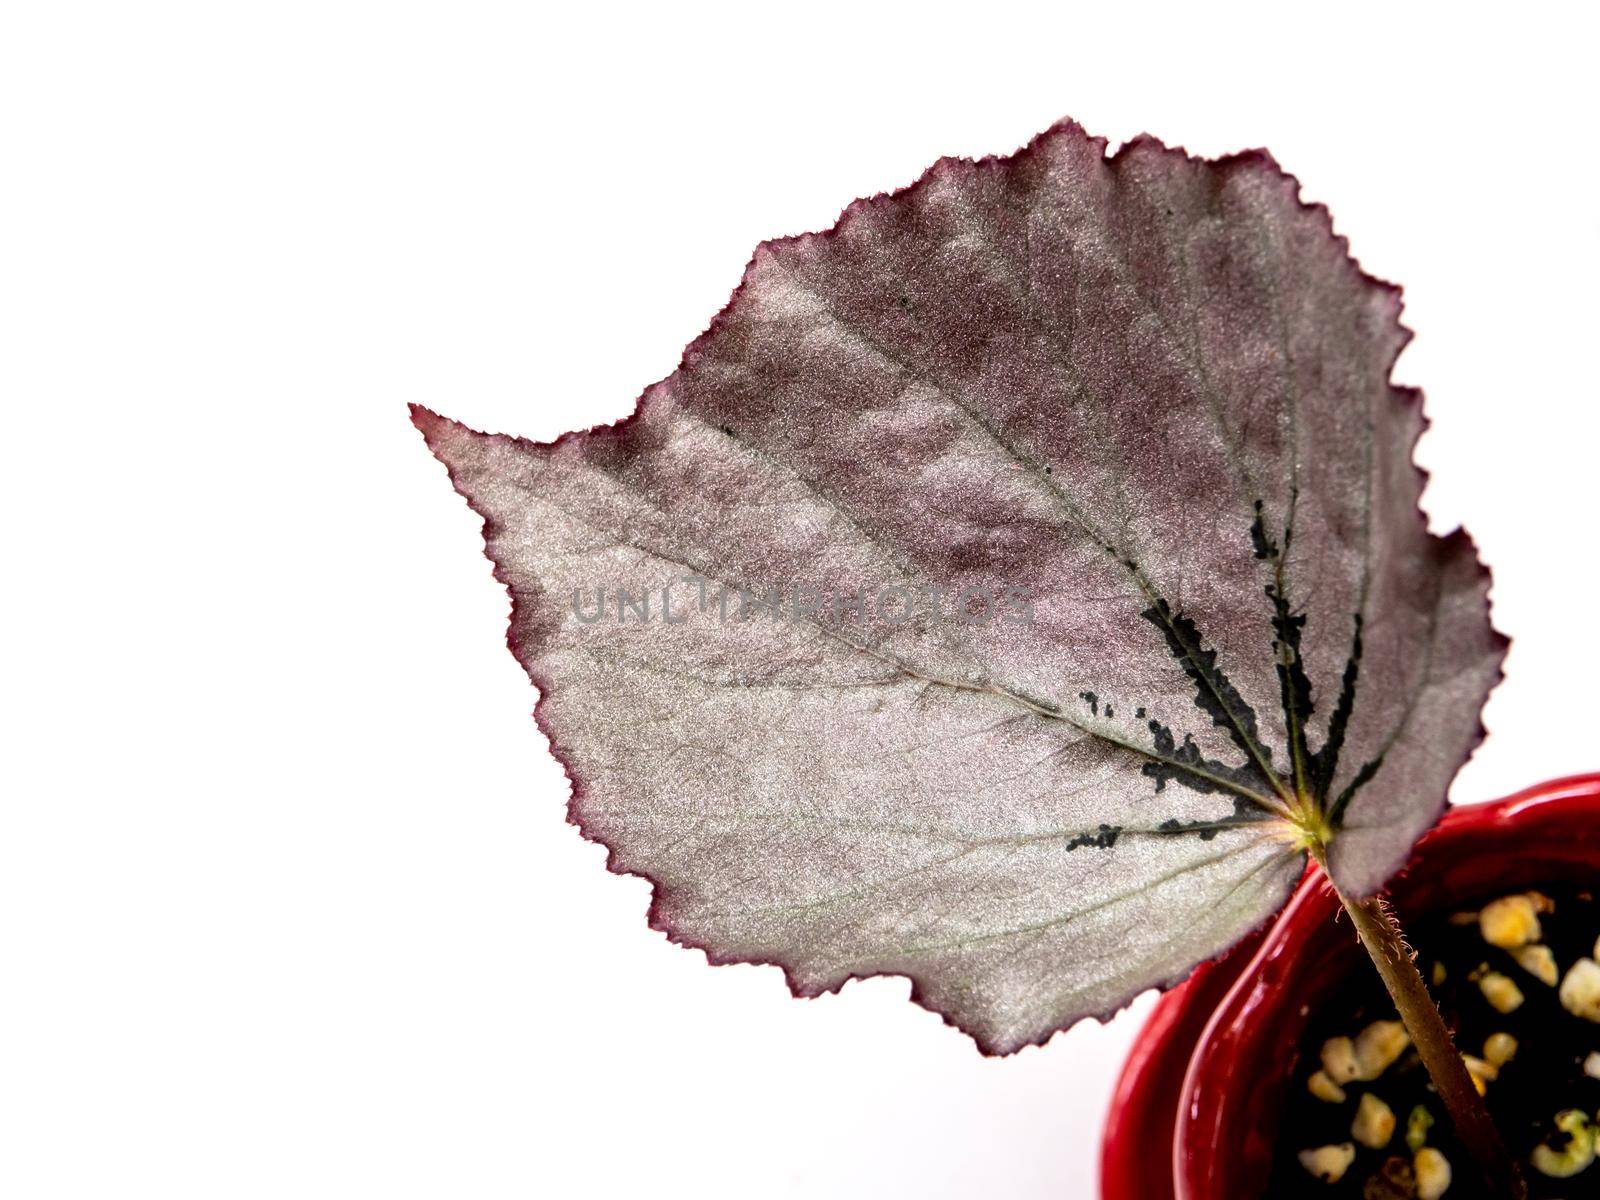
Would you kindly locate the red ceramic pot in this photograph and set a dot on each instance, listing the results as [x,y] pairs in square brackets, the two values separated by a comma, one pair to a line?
[1194,1116]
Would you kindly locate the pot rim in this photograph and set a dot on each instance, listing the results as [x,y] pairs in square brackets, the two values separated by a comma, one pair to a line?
[1174,1056]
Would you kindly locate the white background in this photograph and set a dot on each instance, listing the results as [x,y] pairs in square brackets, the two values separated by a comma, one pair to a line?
[287,903]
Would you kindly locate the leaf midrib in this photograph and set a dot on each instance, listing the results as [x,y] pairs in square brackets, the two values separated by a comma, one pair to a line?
[1048,709]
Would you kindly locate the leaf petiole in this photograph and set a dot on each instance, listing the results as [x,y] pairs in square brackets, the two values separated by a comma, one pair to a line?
[1385,944]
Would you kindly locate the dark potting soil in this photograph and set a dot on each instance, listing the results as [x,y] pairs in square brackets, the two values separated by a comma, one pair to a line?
[1545,1076]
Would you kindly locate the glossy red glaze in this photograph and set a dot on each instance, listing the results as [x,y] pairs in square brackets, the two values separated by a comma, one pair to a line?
[1195,1113]
[1146,1097]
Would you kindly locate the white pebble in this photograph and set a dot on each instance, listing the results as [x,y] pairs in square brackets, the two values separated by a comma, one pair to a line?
[1482,1073]
[1374,1123]
[1538,961]
[1339,1059]
[1499,1049]
[1510,921]
[1324,1088]
[1580,990]
[1500,991]
[1378,1045]
[1433,1173]
[1329,1163]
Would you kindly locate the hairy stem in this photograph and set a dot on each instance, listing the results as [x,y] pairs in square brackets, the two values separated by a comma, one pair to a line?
[1381,936]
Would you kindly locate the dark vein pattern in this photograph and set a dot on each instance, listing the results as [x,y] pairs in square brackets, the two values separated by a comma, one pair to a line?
[1132,411]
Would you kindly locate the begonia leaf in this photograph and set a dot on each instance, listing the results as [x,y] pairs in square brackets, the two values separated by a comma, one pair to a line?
[1002,587]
